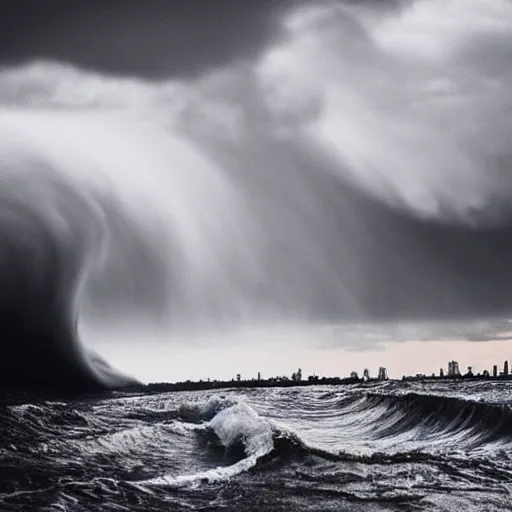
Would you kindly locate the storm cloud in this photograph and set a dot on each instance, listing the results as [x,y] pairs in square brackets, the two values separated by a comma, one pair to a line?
[354,157]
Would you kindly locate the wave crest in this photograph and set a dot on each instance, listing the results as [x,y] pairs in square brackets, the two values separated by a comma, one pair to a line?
[441,417]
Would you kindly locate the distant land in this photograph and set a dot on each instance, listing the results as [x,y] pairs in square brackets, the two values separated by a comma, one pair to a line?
[325,381]
[18,397]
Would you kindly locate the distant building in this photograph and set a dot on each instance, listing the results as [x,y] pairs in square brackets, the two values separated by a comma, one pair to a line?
[453,369]
[238,377]
[366,374]
[505,368]
[495,370]
[259,375]
[441,373]
[486,373]
[383,373]
[354,375]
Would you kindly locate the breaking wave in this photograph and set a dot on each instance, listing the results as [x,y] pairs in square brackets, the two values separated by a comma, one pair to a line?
[391,428]
[240,431]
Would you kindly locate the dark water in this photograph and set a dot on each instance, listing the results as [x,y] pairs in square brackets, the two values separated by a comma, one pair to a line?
[390,446]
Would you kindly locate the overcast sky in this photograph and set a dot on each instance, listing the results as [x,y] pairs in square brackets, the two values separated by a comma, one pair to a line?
[270,163]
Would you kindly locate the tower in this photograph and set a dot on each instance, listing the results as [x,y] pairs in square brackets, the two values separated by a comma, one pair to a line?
[383,373]
[505,368]
[453,369]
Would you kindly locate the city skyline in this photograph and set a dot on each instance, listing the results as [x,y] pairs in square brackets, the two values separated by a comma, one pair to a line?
[453,371]
[271,357]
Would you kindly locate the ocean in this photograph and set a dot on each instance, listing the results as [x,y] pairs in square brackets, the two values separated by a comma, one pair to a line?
[389,446]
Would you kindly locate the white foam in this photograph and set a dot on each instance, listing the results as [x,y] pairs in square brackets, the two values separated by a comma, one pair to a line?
[242,423]
[236,423]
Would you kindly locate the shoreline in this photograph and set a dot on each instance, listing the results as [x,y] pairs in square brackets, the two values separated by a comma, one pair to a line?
[13,397]
[325,381]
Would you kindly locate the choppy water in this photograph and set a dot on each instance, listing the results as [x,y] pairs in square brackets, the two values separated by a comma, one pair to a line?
[389,446]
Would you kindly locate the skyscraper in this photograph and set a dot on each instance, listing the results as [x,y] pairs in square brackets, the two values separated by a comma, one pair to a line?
[383,373]
[453,369]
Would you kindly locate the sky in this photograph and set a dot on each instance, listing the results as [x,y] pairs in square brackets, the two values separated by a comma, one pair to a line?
[331,351]
[265,169]
[275,358]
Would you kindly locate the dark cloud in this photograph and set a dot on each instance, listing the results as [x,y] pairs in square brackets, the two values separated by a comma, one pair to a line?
[161,38]
[157,38]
